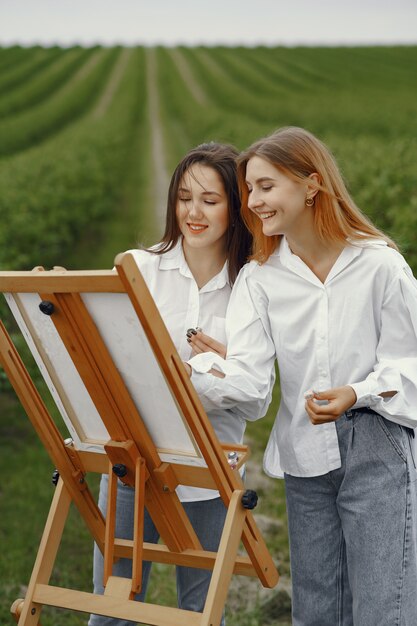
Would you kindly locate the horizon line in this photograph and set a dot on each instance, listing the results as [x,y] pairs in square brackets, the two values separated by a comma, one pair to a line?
[237,44]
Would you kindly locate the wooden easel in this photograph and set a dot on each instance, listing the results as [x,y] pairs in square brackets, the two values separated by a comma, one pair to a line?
[131,455]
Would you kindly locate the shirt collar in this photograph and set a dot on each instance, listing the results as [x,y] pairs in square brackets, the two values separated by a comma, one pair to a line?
[295,264]
[175,259]
[219,281]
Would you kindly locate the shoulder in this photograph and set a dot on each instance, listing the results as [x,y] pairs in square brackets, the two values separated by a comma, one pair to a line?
[145,259]
[249,286]
[380,256]
[247,270]
[390,274]
[249,276]
[256,275]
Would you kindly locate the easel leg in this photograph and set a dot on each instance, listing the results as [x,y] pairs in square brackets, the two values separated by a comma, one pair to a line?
[110,526]
[226,555]
[48,548]
[137,556]
[16,610]
[138,526]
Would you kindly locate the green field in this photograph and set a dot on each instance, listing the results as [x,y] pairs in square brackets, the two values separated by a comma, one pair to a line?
[88,139]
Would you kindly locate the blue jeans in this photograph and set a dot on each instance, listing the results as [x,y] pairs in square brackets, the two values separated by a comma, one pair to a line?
[353,531]
[207,518]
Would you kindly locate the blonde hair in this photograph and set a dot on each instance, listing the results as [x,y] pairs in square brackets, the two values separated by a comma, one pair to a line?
[298,154]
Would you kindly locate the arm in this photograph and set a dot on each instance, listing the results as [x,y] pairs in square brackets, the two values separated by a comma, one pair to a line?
[244,380]
[391,388]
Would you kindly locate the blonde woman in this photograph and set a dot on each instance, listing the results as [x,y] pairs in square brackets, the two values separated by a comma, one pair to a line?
[332,299]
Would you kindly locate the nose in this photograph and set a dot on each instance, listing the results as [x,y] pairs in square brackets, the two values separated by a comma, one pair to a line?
[254,200]
[194,209]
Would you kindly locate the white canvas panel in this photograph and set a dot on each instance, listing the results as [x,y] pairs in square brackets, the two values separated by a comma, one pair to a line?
[65,384]
[132,354]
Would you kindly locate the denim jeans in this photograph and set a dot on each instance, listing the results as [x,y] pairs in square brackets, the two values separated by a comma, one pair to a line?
[207,518]
[353,531]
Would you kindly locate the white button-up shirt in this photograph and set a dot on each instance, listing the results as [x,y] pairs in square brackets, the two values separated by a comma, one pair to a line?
[359,327]
[183,305]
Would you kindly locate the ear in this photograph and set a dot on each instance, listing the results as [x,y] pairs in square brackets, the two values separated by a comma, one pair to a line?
[312,188]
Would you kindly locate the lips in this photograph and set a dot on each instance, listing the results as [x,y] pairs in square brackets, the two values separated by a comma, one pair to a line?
[266,215]
[196,228]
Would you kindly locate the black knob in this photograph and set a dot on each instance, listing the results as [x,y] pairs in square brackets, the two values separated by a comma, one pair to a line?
[120,470]
[249,499]
[47,307]
[55,477]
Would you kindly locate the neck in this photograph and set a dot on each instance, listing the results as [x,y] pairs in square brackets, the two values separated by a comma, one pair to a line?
[205,263]
[317,254]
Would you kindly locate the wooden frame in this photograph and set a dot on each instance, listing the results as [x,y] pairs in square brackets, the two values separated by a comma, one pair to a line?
[129,445]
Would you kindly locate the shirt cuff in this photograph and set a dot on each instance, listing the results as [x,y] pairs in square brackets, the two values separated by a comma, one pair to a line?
[200,382]
[364,394]
[203,363]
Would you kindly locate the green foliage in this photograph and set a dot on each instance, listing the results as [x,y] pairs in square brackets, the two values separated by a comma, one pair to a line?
[25,495]
[33,126]
[29,61]
[188,123]
[50,195]
[75,188]
[12,56]
[40,85]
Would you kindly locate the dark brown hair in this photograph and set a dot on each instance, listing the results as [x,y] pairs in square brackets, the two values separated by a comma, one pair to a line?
[222,158]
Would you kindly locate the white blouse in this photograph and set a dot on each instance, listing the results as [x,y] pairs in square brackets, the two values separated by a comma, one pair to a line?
[358,328]
[183,305]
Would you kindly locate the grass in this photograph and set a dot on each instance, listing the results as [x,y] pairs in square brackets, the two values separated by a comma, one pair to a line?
[25,494]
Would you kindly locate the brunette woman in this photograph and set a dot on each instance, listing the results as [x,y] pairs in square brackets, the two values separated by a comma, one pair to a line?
[190,274]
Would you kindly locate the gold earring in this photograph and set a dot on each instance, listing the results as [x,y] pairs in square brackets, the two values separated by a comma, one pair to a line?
[310,201]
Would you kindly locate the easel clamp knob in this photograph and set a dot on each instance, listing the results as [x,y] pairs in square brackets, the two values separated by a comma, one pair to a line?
[47,307]
[120,470]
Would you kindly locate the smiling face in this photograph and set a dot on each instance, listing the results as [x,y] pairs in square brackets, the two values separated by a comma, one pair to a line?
[202,209]
[276,199]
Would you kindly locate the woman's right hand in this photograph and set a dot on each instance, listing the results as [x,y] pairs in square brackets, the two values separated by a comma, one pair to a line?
[200,342]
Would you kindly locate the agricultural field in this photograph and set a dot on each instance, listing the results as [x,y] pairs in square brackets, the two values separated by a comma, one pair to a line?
[88,140]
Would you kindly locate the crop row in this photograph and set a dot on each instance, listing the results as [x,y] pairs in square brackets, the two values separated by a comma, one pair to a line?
[43,83]
[237,95]
[51,195]
[12,76]
[371,130]
[339,90]
[12,56]
[71,100]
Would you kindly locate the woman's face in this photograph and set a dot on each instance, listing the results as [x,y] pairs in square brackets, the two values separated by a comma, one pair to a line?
[276,199]
[202,208]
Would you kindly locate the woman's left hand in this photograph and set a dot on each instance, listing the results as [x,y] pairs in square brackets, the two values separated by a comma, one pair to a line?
[339,400]
[200,342]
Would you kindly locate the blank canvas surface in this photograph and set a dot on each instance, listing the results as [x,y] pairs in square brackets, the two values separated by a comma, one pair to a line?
[130,350]
[65,384]
[132,354]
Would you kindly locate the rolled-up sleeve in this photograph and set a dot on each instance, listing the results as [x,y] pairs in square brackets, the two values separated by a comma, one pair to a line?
[249,373]
[396,366]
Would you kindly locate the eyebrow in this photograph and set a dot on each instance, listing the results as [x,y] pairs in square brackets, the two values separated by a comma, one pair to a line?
[204,193]
[262,179]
